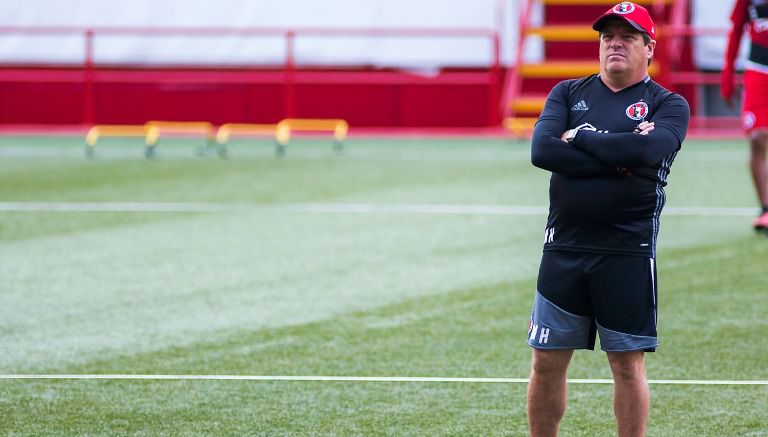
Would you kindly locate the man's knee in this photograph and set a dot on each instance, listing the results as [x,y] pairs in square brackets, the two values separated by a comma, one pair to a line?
[627,366]
[550,362]
[758,140]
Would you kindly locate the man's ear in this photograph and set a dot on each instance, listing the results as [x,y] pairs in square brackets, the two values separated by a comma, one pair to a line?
[650,49]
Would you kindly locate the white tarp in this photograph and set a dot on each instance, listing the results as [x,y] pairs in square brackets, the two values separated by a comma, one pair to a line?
[227,48]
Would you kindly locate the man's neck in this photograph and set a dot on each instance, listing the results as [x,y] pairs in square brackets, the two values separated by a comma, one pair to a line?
[617,83]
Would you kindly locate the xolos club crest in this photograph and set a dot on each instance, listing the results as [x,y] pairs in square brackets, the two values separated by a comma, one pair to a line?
[637,111]
[624,8]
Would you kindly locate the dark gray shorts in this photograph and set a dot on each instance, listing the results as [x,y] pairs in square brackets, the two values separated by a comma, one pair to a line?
[581,294]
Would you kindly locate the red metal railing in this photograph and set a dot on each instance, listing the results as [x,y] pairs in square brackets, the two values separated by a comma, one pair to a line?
[89,71]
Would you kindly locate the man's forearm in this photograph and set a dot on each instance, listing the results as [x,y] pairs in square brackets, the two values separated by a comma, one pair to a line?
[627,149]
[557,156]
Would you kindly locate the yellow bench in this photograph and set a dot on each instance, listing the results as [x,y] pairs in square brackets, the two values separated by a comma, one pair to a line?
[339,127]
[110,130]
[152,130]
[156,128]
[282,131]
[227,130]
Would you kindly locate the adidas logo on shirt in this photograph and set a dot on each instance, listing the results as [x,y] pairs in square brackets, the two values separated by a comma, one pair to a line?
[581,106]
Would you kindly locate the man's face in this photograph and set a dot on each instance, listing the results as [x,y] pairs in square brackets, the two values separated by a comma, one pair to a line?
[622,49]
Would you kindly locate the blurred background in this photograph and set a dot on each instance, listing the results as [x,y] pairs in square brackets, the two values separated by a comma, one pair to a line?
[427,64]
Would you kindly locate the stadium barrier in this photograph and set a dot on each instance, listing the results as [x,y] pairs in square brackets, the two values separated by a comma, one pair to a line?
[287,82]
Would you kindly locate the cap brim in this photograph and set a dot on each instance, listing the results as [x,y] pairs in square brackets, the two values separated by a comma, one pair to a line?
[600,23]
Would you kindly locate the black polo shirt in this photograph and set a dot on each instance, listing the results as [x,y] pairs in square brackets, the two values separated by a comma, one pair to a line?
[607,187]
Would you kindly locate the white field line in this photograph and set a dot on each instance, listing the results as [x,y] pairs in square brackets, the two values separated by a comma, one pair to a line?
[361,379]
[351,208]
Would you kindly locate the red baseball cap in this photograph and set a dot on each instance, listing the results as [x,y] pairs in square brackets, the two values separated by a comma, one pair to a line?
[634,14]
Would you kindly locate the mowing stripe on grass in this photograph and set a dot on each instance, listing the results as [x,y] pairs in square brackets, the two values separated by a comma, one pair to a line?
[365,379]
[352,208]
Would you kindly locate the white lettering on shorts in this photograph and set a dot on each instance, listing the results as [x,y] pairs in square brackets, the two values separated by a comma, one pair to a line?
[544,337]
[533,330]
[543,334]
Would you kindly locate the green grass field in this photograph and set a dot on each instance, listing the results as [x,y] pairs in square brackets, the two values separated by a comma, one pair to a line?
[398,258]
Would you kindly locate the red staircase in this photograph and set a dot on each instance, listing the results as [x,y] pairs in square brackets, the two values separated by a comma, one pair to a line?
[570,50]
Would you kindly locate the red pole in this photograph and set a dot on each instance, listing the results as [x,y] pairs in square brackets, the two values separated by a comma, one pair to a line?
[513,81]
[89,116]
[494,114]
[289,95]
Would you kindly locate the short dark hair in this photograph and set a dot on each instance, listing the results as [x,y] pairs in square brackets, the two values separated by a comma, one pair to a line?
[647,40]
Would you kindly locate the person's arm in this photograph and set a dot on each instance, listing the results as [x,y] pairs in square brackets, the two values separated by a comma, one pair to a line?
[632,150]
[551,153]
[739,18]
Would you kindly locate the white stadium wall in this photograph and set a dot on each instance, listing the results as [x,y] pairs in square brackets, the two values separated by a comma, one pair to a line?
[217,49]
[416,52]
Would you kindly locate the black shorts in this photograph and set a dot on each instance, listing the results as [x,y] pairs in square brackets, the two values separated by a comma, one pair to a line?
[580,294]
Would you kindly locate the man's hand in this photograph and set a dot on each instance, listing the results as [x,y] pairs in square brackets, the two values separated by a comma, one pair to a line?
[584,126]
[644,128]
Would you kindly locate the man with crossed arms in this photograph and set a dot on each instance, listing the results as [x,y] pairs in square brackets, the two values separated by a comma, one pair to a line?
[609,140]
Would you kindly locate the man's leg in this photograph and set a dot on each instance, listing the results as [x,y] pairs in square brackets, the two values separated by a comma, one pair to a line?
[631,397]
[547,391]
[758,144]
